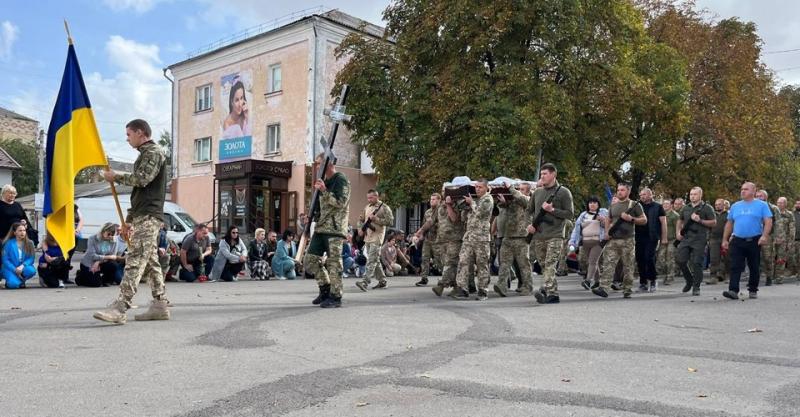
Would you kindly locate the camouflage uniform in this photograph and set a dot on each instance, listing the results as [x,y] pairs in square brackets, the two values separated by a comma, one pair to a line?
[768,249]
[449,235]
[718,263]
[665,258]
[430,246]
[794,260]
[514,247]
[562,257]
[329,232]
[548,239]
[620,247]
[373,240]
[475,247]
[784,241]
[149,173]
[692,248]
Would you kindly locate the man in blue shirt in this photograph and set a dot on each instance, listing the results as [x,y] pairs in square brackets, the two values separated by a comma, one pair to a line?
[748,227]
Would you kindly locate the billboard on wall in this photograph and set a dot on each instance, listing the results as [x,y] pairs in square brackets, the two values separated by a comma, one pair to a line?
[237,131]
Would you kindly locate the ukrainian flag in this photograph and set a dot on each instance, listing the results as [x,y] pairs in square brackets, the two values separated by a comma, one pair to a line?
[73,143]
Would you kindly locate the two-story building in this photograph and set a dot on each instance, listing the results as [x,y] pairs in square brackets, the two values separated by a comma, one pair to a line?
[248,119]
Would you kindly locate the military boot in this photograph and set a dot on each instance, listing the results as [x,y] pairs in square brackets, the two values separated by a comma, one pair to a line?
[115,313]
[500,289]
[324,293]
[438,290]
[331,302]
[422,282]
[157,311]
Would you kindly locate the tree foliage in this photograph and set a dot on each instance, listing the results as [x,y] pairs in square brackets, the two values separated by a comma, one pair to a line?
[26,180]
[610,91]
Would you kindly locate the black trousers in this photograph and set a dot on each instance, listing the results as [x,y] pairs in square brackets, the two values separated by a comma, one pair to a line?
[646,259]
[741,251]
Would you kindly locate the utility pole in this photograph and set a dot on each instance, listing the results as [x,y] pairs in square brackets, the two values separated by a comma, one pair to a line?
[41,160]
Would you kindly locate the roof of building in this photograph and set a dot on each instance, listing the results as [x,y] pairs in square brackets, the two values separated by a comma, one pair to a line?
[7,162]
[13,115]
[334,16]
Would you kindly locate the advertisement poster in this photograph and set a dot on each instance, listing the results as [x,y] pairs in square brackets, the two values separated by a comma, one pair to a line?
[241,201]
[237,134]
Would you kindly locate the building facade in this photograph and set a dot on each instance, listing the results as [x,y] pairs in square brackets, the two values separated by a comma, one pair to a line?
[17,126]
[248,119]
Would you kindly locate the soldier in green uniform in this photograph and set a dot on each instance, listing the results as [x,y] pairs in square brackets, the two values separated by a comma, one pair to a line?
[514,248]
[477,238]
[329,233]
[149,180]
[666,253]
[620,245]
[380,216]
[549,235]
[698,219]
[449,232]
[784,239]
[718,262]
[795,258]
[768,249]
[427,235]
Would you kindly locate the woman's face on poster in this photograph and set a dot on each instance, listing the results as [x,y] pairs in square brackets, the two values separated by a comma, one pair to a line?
[239,102]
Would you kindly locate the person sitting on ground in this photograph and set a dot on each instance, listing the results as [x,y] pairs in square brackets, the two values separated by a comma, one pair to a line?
[18,257]
[53,267]
[99,267]
[389,256]
[348,260]
[272,245]
[122,251]
[167,255]
[257,257]
[196,258]
[231,257]
[283,263]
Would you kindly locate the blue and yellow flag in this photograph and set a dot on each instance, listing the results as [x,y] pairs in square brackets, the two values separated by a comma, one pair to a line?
[73,144]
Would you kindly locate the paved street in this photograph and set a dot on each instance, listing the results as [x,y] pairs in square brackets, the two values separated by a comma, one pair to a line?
[260,349]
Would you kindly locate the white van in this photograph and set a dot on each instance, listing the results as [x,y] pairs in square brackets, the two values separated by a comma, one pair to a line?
[97,211]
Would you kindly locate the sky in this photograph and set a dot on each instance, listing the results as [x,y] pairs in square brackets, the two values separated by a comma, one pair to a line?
[123,46]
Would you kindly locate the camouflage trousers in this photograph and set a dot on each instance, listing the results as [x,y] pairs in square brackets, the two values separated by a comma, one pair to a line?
[548,253]
[328,272]
[783,253]
[562,258]
[374,268]
[617,250]
[431,251]
[142,260]
[719,266]
[477,254]
[583,261]
[450,252]
[768,260]
[794,259]
[515,249]
[665,261]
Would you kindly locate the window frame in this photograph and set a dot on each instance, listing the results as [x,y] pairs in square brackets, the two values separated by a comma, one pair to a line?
[277,139]
[198,149]
[271,80]
[198,99]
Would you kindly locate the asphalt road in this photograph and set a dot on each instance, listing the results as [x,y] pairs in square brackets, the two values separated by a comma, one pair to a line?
[260,349]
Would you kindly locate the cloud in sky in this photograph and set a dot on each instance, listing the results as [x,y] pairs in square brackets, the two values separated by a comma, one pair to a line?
[8,35]
[138,6]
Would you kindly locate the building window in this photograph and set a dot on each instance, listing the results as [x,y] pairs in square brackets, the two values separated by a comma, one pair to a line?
[203,100]
[273,138]
[202,150]
[275,78]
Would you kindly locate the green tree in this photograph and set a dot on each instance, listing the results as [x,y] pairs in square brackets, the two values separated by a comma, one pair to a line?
[26,180]
[473,87]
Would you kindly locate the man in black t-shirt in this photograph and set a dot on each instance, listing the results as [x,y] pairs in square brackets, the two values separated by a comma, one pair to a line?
[648,236]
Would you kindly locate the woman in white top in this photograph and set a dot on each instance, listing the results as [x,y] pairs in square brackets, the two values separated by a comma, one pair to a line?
[588,232]
[231,257]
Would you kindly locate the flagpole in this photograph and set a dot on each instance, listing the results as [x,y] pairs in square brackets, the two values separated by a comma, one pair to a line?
[107,167]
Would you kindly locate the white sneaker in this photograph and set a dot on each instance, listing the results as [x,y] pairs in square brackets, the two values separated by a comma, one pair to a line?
[281,278]
[60,284]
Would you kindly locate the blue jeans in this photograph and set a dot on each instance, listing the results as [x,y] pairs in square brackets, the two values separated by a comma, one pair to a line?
[191,276]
